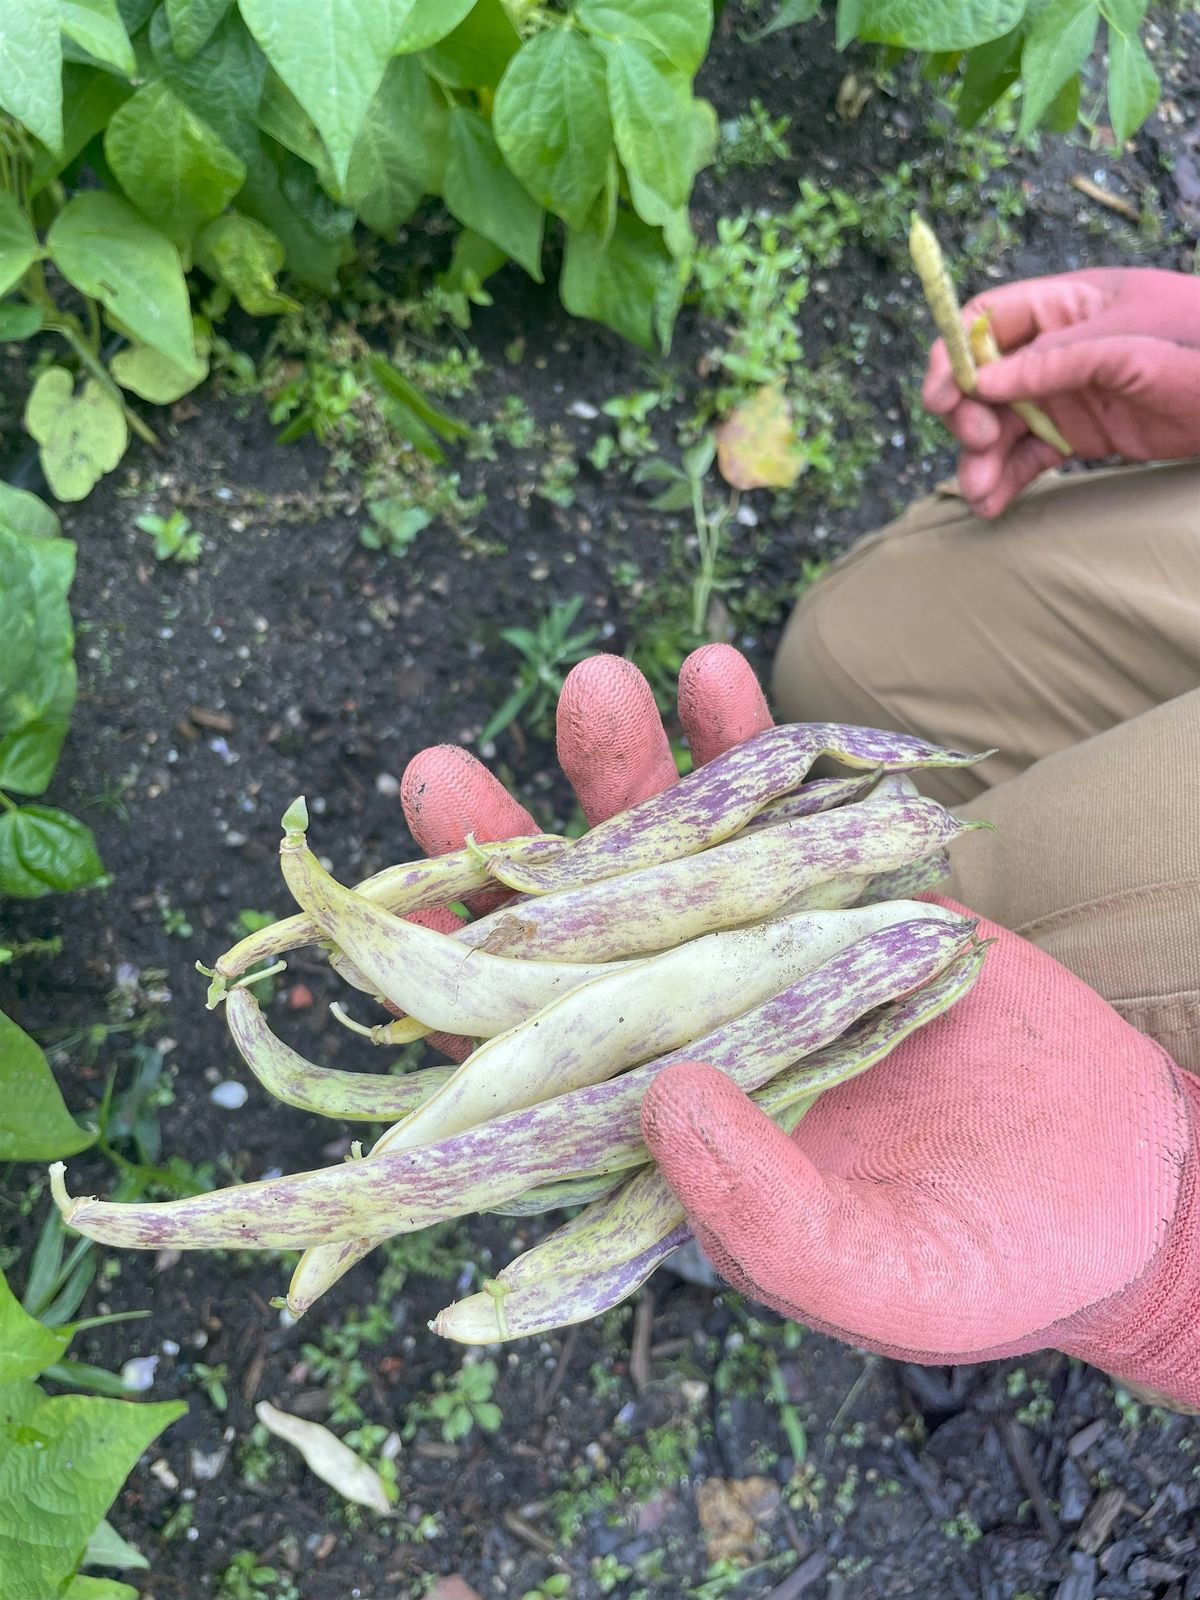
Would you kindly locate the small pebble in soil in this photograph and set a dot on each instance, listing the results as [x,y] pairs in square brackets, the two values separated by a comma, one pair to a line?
[169,1347]
[583,409]
[137,1375]
[207,1464]
[387,784]
[230,1095]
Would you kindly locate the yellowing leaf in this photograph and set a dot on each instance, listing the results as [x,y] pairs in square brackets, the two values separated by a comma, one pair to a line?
[332,1461]
[82,436]
[154,376]
[757,444]
[245,256]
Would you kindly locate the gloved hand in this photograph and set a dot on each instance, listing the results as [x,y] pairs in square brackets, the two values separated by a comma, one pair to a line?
[1023,1172]
[1113,354]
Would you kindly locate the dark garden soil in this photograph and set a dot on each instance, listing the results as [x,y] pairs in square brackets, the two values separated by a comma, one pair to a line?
[293,660]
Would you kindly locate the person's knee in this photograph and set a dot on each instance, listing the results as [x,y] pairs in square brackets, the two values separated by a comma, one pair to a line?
[860,648]
[816,675]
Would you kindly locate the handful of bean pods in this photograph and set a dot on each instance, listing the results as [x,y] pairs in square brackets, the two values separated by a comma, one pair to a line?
[745,917]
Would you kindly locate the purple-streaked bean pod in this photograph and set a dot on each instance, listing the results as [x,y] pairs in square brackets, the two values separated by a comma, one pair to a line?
[915,877]
[586,1131]
[546,1303]
[847,889]
[559,1196]
[870,1039]
[628,1015]
[715,801]
[742,880]
[408,886]
[581,1270]
[618,1227]
[603,1255]
[635,1013]
[351,1096]
[321,1266]
[819,794]
[433,977]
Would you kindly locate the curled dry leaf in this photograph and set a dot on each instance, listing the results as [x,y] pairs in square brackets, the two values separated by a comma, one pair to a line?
[757,444]
[733,1513]
[332,1461]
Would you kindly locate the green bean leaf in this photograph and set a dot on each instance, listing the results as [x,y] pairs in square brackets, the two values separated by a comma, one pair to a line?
[82,435]
[45,851]
[551,121]
[35,1125]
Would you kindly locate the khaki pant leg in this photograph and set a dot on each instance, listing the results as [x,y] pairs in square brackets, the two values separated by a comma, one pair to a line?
[1067,634]
[1075,611]
[1096,858]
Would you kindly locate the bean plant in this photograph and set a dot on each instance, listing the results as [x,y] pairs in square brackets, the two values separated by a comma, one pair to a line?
[160,159]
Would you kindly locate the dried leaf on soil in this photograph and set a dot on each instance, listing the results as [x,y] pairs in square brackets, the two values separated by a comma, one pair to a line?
[332,1461]
[757,444]
[732,1511]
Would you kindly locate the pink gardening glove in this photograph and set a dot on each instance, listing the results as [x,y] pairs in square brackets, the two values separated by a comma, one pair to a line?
[612,746]
[1021,1173]
[1112,354]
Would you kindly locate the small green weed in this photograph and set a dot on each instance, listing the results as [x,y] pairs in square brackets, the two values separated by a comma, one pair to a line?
[212,1380]
[459,1403]
[962,1529]
[684,489]
[633,439]
[25,949]
[548,650]
[556,482]
[178,1523]
[393,524]
[608,1572]
[554,1587]
[174,537]
[754,138]
[174,921]
[726,1577]
[664,1456]
[246,1578]
[256,1458]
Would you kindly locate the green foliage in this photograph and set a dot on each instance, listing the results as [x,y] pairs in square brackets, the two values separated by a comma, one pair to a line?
[35,1124]
[555,1587]
[63,1459]
[459,1403]
[174,537]
[754,138]
[548,650]
[682,488]
[42,850]
[248,1578]
[990,45]
[244,141]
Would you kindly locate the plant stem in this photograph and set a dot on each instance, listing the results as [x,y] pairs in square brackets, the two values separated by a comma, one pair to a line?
[9,805]
[65,331]
[702,587]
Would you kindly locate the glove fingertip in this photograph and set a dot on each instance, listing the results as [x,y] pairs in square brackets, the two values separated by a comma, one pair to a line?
[700,1128]
[611,741]
[446,793]
[721,702]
